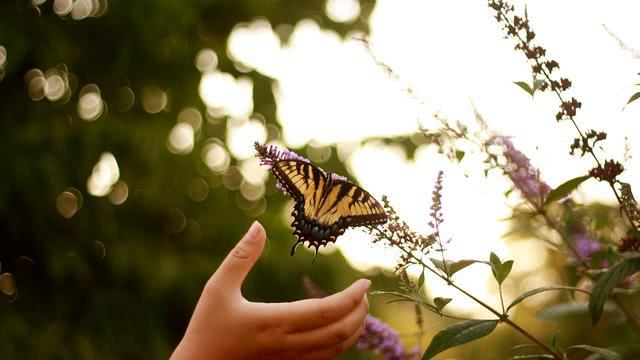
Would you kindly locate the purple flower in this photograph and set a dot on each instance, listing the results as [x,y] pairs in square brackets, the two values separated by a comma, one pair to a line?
[377,336]
[584,244]
[270,154]
[519,169]
[383,340]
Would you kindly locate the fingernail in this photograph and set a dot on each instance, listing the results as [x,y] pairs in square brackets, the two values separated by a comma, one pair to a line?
[366,285]
[254,230]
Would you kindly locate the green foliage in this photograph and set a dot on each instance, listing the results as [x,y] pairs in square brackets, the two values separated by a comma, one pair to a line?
[136,301]
[634,97]
[500,269]
[458,334]
[441,302]
[603,353]
[565,189]
[453,266]
[532,292]
[607,282]
[526,87]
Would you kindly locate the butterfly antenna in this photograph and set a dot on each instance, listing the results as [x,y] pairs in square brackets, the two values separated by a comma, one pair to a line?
[315,256]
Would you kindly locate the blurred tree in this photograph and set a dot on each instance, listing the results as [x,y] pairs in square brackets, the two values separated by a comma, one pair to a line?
[99,280]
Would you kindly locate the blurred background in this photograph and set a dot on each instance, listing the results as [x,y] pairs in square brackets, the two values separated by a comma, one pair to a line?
[128,172]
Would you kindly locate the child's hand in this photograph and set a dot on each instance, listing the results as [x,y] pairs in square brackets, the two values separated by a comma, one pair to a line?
[225,325]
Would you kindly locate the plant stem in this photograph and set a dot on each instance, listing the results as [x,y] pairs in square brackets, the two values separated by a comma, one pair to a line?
[633,319]
[502,317]
[547,75]
[501,298]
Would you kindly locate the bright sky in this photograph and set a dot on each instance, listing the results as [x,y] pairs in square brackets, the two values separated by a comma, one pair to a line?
[329,90]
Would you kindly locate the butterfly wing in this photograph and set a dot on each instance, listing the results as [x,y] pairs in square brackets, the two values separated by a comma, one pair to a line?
[348,204]
[324,206]
[304,182]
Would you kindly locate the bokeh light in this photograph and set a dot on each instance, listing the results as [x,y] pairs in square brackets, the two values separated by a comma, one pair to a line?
[56,84]
[119,193]
[253,172]
[104,175]
[198,189]
[100,249]
[255,45]
[62,7]
[206,60]
[3,61]
[90,104]
[232,178]
[36,84]
[192,117]
[215,156]
[125,98]
[67,204]
[154,99]
[342,11]
[226,94]
[7,284]
[175,221]
[181,139]
[241,134]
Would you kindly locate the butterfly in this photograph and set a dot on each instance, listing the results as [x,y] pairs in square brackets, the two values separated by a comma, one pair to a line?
[326,204]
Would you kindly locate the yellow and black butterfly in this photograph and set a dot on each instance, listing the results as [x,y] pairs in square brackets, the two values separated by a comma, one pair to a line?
[326,204]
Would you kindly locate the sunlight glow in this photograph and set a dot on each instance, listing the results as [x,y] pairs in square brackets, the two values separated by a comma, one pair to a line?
[228,95]
[241,134]
[342,11]
[329,90]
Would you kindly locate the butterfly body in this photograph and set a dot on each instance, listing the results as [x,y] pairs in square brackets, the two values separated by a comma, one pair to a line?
[325,204]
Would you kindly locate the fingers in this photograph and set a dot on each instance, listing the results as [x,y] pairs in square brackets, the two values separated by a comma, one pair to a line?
[238,263]
[314,313]
[332,334]
[333,351]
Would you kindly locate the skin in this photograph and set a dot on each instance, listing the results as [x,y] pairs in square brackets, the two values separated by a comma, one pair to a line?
[225,325]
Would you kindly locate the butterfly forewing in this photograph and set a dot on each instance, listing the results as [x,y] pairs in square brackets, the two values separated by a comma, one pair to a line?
[350,201]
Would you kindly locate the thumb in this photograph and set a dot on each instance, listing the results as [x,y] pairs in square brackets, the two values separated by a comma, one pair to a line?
[238,263]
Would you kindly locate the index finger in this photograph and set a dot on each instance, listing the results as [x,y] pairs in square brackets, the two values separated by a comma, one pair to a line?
[314,313]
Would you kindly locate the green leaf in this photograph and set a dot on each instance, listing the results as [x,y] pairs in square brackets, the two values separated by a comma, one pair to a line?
[531,356]
[455,266]
[403,297]
[440,264]
[500,270]
[634,97]
[504,271]
[494,260]
[420,281]
[461,264]
[604,353]
[554,341]
[565,189]
[458,334]
[535,291]
[607,282]
[441,302]
[459,155]
[524,86]
[563,311]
